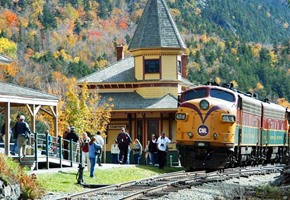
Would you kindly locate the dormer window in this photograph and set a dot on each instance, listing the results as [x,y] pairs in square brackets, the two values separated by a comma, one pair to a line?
[152,66]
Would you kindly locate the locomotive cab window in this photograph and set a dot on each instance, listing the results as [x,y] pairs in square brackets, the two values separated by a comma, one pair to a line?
[152,66]
[194,94]
[222,94]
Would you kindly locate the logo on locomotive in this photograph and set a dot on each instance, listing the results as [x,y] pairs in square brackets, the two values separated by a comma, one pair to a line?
[202,130]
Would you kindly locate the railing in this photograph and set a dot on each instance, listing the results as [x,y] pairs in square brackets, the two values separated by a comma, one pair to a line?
[52,147]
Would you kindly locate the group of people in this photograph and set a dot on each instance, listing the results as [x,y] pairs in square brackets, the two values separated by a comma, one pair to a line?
[91,148]
[156,149]
[91,151]
[20,133]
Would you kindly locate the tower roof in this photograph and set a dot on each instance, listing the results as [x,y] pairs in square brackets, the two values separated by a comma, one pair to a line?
[156,28]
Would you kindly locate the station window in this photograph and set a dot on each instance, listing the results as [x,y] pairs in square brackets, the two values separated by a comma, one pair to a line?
[152,66]
[152,127]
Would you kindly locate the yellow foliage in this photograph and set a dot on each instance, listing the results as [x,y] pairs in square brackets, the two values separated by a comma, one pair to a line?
[186,51]
[203,38]
[72,40]
[286,25]
[175,13]
[283,102]
[218,80]
[193,65]
[9,70]
[8,47]
[102,63]
[268,14]
[23,22]
[234,51]
[256,50]
[259,86]
[197,11]
[222,45]
[71,12]
[235,84]
[37,6]
[274,57]
[56,54]
[59,77]
[76,59]
[81,108]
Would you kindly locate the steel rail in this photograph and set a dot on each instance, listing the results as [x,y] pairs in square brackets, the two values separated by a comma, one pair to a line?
[165,183]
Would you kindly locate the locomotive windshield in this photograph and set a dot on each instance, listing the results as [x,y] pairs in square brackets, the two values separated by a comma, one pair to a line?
[202,93]
[195,94]
[222,94]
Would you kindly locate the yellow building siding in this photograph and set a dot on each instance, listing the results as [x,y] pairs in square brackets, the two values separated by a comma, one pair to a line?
[169,67]
[139,67]
[152,76]
[156,92]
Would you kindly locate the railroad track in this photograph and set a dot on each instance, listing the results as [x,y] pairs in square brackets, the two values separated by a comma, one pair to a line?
[162,185]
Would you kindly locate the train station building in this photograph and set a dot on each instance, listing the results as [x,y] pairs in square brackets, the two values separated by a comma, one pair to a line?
[146,84]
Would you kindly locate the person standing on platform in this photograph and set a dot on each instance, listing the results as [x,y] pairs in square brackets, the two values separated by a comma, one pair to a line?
[72,135]
[65,143]
[94,147]
[153,150]
[84,143]
[101,141]
[124,140]
[23,131]
[147,154]
[115,152]
[3,132]
[15,146]
[137,151]
[162,144]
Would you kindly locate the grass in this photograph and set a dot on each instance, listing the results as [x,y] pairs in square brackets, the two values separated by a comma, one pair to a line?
[67,181]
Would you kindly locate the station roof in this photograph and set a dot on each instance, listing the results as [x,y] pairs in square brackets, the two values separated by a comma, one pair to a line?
[22,95]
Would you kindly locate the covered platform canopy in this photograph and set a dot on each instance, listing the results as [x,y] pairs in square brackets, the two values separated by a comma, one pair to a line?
[35,101]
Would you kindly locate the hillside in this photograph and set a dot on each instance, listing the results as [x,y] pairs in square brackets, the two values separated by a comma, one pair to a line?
[246,42]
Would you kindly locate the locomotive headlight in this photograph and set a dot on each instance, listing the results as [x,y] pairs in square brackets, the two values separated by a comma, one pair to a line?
[190,134]
[228,118]
[180,116]
[204,104]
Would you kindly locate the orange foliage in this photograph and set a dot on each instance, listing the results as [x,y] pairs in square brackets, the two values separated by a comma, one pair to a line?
[96,34]
[123,24]
[283,102]
[11,18]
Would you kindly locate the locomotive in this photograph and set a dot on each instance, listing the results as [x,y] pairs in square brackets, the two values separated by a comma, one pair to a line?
[220,127]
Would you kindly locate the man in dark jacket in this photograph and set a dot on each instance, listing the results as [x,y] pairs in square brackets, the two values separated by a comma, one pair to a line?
[72,135]
[22,131]
[153,150]
[124,140]
[65,143]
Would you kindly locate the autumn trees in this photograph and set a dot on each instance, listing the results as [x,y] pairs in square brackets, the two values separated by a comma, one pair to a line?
[73,38]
